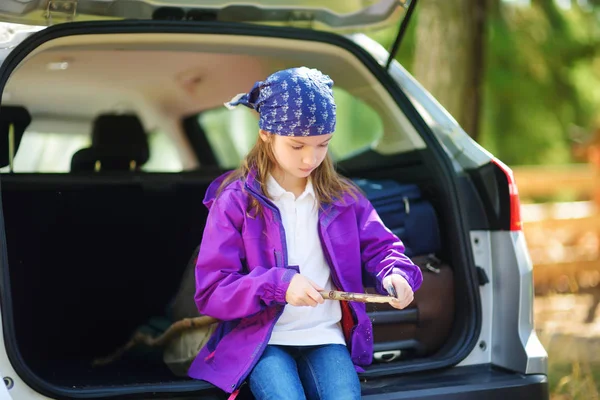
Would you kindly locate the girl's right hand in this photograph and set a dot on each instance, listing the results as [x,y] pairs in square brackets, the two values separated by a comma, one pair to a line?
[303,292]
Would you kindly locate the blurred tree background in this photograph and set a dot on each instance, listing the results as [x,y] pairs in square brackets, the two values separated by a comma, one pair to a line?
[522,76]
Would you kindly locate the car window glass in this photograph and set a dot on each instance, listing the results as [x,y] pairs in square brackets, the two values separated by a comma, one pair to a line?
[52,152]
[164,156]
[47,152]
[357,127]
[231,134]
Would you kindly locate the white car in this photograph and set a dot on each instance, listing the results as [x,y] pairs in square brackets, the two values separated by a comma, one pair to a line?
[111,127]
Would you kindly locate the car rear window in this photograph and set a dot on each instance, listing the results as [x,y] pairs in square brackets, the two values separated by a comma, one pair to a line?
[51,152]
[231,134]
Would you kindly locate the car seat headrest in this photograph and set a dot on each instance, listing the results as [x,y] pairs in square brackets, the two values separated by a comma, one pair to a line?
[119,143]
[13,122]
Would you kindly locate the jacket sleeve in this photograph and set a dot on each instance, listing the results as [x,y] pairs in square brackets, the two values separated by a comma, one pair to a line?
[382,252]
[225,289]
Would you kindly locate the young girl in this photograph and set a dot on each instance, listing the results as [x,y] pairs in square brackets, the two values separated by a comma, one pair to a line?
[280,228]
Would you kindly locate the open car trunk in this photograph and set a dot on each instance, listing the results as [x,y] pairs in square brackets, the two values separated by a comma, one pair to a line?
[93,256]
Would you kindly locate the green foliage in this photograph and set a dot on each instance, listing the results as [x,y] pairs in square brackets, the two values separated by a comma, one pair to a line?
[539,82]
[576,381]
[542,78]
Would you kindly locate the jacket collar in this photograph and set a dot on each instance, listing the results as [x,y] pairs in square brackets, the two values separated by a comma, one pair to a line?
[276,191]
[253,183]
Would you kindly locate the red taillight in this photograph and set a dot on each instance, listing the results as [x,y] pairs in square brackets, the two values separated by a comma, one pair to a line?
[513,193]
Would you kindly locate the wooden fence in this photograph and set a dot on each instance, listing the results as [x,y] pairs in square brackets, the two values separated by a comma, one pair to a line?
[543,181]
[563,237]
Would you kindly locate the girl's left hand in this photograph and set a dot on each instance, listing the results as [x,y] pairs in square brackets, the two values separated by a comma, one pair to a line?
[404,293]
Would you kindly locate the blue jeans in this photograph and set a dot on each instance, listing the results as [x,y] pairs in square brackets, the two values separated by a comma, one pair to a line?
[305,372]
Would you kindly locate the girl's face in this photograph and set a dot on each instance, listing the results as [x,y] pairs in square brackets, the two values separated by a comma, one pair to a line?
[298,156]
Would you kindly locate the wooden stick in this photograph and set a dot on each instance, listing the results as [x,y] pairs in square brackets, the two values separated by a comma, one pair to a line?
[359,297]
[197,322]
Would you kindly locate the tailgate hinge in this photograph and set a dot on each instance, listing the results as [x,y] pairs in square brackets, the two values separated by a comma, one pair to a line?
[302,19]
[62,9]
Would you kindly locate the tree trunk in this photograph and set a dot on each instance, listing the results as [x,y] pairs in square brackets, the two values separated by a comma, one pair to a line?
[449,56]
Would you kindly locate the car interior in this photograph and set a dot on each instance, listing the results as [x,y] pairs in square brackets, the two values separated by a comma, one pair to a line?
[112,142]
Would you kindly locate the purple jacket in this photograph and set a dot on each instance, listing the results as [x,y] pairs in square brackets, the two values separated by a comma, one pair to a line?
[242,275]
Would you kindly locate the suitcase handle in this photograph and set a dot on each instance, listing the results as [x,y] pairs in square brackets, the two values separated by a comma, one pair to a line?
[387,356]
[406,205]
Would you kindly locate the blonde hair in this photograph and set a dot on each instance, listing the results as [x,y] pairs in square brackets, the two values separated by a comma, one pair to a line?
[327,183]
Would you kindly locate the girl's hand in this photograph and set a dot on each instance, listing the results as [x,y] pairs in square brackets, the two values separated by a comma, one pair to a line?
[303,292]
[404,293]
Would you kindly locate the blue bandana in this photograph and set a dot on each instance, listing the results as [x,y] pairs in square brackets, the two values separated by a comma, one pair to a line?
[292,102]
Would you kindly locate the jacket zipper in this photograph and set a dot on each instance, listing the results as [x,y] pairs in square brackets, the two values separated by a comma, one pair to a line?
[264,344]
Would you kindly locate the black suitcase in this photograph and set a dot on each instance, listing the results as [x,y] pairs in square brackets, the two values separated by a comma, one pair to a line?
[405,212]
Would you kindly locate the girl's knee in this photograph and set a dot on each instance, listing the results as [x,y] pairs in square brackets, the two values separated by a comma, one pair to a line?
[275,376]
[328,373]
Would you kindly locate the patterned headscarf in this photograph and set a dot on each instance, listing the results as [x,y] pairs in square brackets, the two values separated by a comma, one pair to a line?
[292,102]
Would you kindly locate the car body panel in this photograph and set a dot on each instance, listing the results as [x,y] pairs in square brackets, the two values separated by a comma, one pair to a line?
[515,344]
[337,15]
